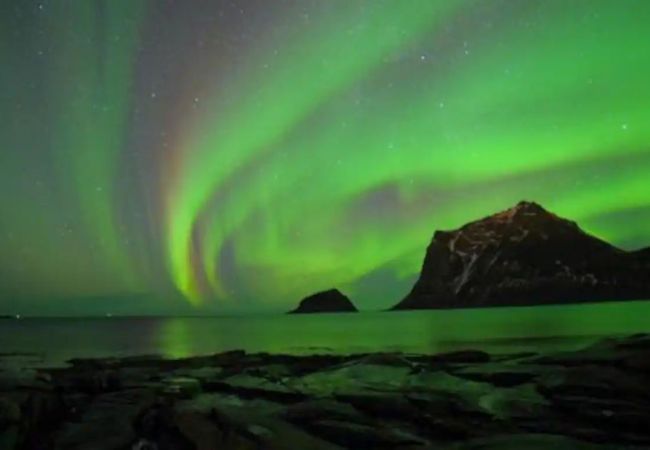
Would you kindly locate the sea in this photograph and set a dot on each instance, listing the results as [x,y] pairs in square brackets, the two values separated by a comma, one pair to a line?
[50,342]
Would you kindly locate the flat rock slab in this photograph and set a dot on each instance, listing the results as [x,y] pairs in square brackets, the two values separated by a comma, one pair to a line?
[108,422]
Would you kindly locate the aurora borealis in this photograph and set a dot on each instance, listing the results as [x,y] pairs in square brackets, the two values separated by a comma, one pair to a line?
[237,155]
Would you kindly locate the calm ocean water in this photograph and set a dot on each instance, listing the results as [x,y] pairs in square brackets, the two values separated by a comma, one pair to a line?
[53,341]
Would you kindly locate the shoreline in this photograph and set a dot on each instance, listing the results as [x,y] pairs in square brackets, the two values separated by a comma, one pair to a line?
[502,346]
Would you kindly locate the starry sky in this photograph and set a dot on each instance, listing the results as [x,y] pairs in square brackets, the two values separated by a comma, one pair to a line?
[194,156]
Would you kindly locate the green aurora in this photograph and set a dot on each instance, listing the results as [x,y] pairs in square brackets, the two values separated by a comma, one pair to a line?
[175,156]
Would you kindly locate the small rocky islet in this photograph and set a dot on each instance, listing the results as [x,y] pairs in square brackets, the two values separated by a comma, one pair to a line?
[331,300]
[596,398]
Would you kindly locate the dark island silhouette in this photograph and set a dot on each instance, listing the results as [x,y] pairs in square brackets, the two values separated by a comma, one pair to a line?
[331,300]
[525,255]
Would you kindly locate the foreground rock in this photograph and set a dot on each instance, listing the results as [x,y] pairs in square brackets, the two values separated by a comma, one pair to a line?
[525,256]
[596,398]
[327,301]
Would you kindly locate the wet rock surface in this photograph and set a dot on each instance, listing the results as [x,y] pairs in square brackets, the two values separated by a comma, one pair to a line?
[594,398]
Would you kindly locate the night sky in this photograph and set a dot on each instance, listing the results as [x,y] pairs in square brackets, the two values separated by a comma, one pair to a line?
[234,156]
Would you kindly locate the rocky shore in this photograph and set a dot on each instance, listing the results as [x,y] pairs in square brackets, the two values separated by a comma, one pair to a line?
[594,398]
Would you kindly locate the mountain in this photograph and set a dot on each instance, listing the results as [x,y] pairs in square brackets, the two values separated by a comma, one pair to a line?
[331,300]
[643,255]
[525,255]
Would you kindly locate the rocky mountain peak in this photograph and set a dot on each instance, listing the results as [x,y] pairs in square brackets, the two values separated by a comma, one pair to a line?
[524,255]
[526,221]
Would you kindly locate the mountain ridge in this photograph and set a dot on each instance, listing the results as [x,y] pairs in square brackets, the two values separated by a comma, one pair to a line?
[525,255]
